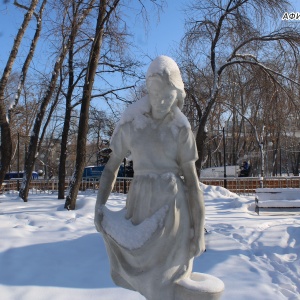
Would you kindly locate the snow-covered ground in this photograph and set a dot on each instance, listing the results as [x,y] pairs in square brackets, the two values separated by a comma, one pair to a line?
[49,253]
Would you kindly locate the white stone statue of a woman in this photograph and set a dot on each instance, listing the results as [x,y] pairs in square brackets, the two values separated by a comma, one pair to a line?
[151,243]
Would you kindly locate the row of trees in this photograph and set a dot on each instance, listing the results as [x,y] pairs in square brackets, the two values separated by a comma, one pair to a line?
[88,41]
[260,119]
[241,67]
[238,62]
[48,160]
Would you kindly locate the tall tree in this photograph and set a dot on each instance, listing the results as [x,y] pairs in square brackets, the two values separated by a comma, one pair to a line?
[69,106]
[6,142]
[105,10]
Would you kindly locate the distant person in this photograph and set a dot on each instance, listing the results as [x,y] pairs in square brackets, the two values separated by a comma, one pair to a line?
[245,169]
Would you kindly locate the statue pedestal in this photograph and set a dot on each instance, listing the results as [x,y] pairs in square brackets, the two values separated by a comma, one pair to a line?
[199,286]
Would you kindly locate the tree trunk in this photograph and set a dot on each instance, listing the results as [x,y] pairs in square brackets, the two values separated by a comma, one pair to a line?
[6,142]
[202,131]
[103,17]
[67,122]
[63,151]
[275,155]
[296,169]
[6,149]
[200,142]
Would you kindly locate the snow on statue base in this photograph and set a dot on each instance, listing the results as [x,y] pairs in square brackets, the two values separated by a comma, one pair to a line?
[199,286]
[152,242]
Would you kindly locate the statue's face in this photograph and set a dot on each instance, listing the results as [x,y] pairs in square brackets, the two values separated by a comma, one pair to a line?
[162,96]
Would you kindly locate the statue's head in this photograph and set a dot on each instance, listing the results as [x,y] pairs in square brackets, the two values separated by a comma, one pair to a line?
[165,70]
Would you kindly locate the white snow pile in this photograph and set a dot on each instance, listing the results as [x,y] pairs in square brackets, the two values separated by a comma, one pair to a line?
[49,253]
[233,200]
[128,235]
[218,191]
[136,113]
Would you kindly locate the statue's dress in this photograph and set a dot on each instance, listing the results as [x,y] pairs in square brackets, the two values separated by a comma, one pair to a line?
[152,263]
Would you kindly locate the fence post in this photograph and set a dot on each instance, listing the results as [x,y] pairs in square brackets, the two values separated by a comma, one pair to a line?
[224,153]
[261,182]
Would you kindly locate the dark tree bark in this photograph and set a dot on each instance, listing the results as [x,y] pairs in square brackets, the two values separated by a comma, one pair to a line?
[297,162]
[66,129]
[67,120]
[63,151]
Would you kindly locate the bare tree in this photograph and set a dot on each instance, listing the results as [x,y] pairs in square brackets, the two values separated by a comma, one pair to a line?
[224,34]
[6,143]
[69,96]
[113,62]
[110,38]
[21,121]
[67,123]
[105,11]
[76,23]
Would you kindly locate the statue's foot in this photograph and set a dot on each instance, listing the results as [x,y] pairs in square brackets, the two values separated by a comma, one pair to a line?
[199,286]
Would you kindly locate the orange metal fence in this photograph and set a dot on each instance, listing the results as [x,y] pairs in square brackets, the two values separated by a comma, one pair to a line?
[51,185]
[237,185]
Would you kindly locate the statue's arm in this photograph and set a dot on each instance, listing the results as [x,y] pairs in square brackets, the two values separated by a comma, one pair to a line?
[106,184]
[196,208]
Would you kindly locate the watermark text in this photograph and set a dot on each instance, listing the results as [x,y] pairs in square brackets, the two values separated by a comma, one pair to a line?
[292,16]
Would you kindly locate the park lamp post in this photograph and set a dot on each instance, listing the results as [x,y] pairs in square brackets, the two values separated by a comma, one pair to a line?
[262,158]
[268,171]
[224,153]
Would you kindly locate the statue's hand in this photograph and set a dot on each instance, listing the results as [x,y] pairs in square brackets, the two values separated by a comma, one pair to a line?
[98,218]
[197,245]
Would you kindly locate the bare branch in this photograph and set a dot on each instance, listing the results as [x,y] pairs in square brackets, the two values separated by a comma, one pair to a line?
[256,63]
[284,34]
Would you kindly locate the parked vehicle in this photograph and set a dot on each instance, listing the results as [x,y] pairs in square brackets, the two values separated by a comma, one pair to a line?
[231,171]
[19,175]
[95,172]
[92,172]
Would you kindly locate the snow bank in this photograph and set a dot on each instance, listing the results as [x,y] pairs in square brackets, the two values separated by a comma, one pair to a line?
[49,253]
[216,191]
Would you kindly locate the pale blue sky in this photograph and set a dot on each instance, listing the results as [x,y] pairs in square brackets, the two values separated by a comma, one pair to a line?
[165,35]
[160,38]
